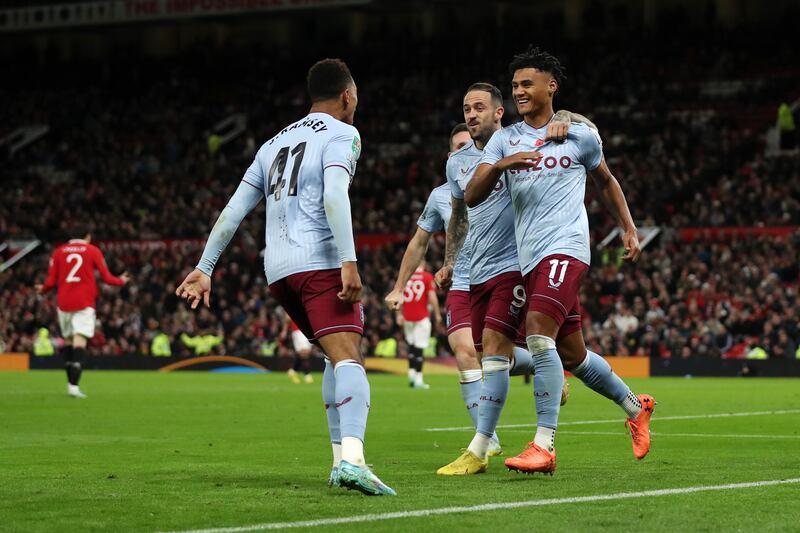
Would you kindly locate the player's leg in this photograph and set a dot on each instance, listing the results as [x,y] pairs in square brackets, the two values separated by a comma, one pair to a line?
[65,324]
[408,333]
[496,365]
[338,326]
[596,373]
[305,365]
[421,338]
[83,322]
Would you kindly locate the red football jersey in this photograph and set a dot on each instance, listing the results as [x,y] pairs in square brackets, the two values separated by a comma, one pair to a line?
[415,297]
[72,268]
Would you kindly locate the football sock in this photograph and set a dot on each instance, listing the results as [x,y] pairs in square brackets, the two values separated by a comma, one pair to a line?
[547,384]
[523,362]
[305,363]
[494,390]
[545,438]
[78,356]
[470,383]
[596,373]
[352,402]
[329,398]
[296,367]
[66,354]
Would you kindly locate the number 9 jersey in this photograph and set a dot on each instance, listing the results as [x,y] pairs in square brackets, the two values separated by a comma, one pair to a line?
[71,269]
[289,169]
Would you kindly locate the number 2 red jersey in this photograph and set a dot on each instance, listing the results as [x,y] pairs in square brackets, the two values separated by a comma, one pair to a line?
[415,297]
[72,268]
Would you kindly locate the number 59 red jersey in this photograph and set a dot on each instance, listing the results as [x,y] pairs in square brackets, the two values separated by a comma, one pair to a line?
[415,296]
[72,267]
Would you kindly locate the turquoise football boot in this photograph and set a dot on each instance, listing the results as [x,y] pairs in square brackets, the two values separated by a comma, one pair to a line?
[362,479]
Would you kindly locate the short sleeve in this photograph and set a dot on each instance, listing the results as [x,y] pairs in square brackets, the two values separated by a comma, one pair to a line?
[254,175]
[451,169]
[590,147]
[431,220]
[343,150]
[493,151]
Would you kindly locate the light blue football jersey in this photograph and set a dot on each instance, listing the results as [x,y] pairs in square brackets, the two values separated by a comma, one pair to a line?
[491,223]
[549,214]
[289,170]
[436,217]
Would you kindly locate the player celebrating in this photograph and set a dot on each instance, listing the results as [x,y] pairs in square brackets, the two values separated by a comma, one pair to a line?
[302,351]
[547,182]
[497,294]
[310,262]
[436,217]
[418,297]
[72,267]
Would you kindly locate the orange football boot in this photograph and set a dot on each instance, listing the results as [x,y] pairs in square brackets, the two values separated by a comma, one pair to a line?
[533,459]
[640,426]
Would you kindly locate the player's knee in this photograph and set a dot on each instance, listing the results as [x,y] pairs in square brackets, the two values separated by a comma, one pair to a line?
[541,324]
[571,357]
[495,343]
[540,343]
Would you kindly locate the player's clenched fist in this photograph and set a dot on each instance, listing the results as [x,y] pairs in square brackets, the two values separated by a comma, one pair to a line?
[351,283]
[444,278]
[394,299]
[195,288]
[630,240]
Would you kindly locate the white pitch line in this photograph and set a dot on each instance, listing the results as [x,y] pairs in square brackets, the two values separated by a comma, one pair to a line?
[659,434]
[618,420]
[491,507]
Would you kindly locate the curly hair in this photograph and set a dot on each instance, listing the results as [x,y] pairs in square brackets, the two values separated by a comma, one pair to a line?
[540,60]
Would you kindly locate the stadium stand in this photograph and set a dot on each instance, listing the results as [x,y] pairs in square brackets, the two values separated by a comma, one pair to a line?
[132,155]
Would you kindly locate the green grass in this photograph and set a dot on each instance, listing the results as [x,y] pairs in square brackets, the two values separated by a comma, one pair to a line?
[150,451]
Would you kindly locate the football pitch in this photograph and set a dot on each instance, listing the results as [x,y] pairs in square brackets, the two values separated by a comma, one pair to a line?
[248,452]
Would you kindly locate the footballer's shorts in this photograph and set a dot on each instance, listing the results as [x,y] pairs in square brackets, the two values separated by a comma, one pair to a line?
[77,323]
[418,333]
[311,301]
[456,308]
[300,341]
[553,289]
[498,304]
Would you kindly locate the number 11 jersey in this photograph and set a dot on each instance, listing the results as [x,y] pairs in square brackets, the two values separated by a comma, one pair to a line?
[289,170]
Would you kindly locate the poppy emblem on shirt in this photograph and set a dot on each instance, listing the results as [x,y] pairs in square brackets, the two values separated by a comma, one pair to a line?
[539,142]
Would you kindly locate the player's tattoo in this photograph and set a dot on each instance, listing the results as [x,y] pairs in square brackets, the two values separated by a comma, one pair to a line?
[562,115]
[456,231]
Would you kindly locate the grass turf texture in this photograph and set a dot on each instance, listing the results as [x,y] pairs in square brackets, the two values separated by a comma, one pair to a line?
[150,451]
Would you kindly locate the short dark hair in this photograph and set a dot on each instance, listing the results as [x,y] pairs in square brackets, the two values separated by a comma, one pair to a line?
[540,60]
[327,79]
[493,91]
[458,128]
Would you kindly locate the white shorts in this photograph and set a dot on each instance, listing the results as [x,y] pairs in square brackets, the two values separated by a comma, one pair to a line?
[418,334]
[301,343]
[77,323]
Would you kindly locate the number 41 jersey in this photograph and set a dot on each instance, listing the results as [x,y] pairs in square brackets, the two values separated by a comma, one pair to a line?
[289,170]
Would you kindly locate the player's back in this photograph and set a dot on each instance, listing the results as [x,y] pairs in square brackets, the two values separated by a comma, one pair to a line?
[491,223]
[73,264]
[290,168]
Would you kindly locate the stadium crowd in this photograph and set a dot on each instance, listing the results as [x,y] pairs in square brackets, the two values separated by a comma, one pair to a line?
[136,155]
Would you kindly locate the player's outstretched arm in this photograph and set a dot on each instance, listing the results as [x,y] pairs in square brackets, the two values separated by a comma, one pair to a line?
[614,200]
[415,252]
[197,285]
[337,210]
[559,127]
[457,230]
